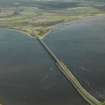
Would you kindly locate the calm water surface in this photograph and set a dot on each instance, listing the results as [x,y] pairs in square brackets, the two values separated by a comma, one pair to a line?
[81,45]
[28,76]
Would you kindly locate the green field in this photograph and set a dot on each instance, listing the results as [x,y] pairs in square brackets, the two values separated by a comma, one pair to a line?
[39,22]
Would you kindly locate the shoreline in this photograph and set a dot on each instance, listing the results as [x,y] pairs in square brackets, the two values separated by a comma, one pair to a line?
[53,28]
[46,34]
[87,18]
[26,33]
[13,29]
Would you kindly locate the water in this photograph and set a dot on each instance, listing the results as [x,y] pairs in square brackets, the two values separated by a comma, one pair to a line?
[81,45]
[28,76]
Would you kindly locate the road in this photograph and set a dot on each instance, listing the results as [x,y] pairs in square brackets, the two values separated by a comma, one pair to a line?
[71,77]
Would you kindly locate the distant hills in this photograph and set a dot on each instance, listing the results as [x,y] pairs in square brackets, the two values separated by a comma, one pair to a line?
[51,0]
[47,4]
[64,0]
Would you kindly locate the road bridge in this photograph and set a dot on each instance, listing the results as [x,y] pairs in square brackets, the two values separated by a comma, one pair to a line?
[71,77]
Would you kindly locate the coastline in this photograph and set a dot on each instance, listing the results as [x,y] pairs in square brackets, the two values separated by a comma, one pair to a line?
[46,34]
[26,33]
[87,18]
[53,28]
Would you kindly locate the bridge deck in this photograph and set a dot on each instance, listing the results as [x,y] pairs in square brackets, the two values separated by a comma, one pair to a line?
[69,75]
